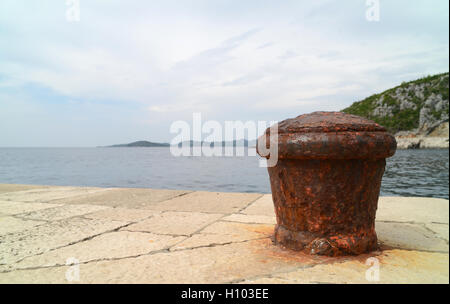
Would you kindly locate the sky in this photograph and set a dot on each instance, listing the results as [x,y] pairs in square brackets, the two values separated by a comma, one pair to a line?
[126,70]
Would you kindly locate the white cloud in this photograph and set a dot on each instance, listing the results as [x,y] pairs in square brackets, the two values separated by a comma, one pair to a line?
[229,60]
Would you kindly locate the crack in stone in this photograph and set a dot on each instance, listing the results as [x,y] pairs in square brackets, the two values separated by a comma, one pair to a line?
[118,229]
[51,221]
[111,208]
[159,233]
[165,250]
[70,244]
[87,262]
[170,248]
[179,195]
[216,244]
[409,249]
[423,225]
[436,235]
[134,222]
[249,204]
[250,223]
[399,222]
[219,219]
[169,199]
[440,223]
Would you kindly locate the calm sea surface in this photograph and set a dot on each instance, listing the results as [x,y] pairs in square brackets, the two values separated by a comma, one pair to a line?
[408,173]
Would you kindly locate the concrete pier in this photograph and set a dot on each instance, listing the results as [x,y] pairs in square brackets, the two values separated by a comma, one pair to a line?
[52,234]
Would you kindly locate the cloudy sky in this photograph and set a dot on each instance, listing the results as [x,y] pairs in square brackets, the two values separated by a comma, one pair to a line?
[127,69]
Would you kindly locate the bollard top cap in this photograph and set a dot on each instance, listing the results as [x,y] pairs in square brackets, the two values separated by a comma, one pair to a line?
[328,122]
[329,135]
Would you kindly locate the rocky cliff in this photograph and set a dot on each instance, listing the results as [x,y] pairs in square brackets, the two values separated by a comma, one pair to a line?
[416,112]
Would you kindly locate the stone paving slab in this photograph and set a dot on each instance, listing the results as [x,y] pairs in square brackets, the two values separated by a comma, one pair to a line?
[9,224]
[60,212]
[126,244]
[241,229]
[220,233]
[412,209]
[409,236]
[219,264]
[262,206]
[127,198]
[441,230]
[212,202]
[240,264]
[122,214]
[5,188]
[48,236]
[47,194]
[12,208]
[210,240]
[175,223]
[395,266]
[169,236]
[244,218]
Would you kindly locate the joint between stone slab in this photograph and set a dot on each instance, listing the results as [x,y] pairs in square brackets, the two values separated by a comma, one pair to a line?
[249,204]
[28,219]
[176,196]
[129,222]
[197,231]
[158,233]
[219,219]
[206,225]
[409,222]
[165,250]
[88,262]
[250,223]
[181,211]
[72,243]
[417,250]
[20,215]
[435,234]
[41,222]
[215,244]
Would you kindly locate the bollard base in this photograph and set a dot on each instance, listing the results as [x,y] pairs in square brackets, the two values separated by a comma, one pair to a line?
[335,245]
[326,207]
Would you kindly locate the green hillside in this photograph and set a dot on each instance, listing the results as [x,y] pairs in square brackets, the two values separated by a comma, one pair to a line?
[416,105]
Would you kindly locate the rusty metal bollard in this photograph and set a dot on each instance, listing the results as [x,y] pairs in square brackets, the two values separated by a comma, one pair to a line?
[326,183]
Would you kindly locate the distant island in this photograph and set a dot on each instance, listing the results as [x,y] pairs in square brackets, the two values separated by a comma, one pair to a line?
[144,143]
[141,143]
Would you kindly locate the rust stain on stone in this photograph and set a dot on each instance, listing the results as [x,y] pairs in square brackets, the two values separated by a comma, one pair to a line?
[326,183]
[265,250]
[264,229]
